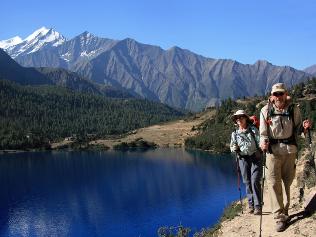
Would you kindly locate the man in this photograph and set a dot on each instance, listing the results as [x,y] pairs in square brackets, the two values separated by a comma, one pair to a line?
[280,123]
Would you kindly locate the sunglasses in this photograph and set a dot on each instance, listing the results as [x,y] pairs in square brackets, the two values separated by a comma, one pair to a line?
[278,94]
[240,117]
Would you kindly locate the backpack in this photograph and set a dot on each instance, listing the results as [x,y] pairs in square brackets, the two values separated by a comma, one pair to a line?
[289,113]
[255,121]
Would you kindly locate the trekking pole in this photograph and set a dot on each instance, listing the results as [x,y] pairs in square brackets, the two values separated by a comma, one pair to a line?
[238,180]
[238,169]
[309,137]
[262,185]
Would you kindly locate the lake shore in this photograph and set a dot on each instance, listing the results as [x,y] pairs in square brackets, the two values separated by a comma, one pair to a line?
[170,134]
[12,151]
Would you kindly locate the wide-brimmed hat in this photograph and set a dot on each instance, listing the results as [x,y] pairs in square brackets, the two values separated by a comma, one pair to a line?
[278,87]
[238,113]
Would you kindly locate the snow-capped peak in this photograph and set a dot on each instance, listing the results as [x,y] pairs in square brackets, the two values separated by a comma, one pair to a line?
[86,35]
[40,32]
[34,42]
[4,44]
[53,35]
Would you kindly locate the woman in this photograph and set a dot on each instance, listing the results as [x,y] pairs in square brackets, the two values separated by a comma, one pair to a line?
[244,142]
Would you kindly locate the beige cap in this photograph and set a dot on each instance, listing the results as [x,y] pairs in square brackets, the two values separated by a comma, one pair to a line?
[278,87]
[240,112]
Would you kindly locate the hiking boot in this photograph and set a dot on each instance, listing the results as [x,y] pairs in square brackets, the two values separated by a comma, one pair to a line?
[257,211]
[280,226]
[251,210]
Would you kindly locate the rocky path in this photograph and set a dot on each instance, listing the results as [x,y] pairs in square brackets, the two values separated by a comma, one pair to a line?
[247,225]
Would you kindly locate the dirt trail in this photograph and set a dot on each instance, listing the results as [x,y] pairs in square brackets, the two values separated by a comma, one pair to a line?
[247,225]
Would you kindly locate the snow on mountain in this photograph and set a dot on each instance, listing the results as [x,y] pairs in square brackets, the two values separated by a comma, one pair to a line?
[39,32]
[46,36]
[34,42]
[4,44]
[64,54]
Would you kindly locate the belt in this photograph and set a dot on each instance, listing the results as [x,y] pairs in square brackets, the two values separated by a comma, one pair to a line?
[247,156]
[289,141]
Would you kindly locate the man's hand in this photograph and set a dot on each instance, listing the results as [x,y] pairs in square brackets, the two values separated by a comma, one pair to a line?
[307,124]
[264,145]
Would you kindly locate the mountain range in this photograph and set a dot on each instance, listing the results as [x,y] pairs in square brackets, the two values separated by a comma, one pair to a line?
[311,70]
[41,104]
[12,71]
[177,77]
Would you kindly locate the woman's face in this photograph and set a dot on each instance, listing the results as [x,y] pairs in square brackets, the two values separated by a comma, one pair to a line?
[241,121]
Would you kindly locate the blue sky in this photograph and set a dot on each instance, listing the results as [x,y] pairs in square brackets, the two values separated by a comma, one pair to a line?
[281,32]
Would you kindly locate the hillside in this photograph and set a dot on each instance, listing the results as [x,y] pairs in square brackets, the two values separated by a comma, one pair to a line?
[210,130]
[34,116]
[169,134]
[70,80]
[11,70]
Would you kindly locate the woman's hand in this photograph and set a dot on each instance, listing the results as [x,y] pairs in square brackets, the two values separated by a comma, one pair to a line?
[235,148]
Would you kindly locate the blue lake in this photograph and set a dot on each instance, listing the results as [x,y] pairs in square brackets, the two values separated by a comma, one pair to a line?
[126,194]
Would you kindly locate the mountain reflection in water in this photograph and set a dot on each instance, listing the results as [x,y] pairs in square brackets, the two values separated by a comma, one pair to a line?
[112,193]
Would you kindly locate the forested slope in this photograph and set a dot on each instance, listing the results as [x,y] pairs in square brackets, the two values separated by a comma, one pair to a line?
[33,116]
[214,134]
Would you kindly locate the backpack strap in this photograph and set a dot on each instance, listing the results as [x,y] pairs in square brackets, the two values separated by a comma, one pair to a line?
[253,136]
[289,113]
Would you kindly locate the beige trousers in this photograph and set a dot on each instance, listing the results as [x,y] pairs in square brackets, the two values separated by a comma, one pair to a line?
[280,168]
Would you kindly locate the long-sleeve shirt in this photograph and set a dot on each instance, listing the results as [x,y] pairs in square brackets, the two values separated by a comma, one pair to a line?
[245,140]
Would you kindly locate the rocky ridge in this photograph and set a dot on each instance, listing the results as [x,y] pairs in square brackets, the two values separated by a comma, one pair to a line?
[175,76]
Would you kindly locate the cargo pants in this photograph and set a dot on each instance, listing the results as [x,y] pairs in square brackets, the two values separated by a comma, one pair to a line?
[280,168]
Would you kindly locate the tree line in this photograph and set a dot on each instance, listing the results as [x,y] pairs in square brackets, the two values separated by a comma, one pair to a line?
[35,116]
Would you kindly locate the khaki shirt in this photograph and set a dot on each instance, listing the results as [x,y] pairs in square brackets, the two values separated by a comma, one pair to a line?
[281,127]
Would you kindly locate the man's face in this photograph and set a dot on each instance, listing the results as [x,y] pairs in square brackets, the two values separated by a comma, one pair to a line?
[279,99]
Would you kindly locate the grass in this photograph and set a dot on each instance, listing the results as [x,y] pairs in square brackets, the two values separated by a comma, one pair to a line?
[229,213]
